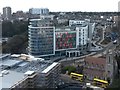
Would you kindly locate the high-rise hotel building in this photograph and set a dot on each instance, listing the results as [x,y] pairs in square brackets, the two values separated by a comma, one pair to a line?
[41,37]
[46,40]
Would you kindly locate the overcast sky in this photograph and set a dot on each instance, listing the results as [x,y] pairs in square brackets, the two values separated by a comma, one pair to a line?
[62,5]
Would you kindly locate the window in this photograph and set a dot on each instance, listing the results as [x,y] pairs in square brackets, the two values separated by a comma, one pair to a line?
[109,59]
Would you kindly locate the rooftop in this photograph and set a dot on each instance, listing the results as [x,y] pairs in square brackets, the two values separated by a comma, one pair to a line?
[95,60]
[10,79]
[9,62]
[49,68]
[18,69]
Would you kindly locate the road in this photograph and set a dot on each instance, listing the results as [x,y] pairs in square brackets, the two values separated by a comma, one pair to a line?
[69,84]
[67,79]
[72,60]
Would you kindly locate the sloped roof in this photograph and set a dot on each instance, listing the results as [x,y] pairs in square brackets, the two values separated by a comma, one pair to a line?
[95,60]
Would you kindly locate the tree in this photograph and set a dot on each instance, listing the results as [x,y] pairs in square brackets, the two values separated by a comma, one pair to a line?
[69,69]
[18,31]
[17,44]
[10,29]
[7,29]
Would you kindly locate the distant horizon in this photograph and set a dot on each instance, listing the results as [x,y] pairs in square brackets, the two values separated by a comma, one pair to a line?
[62,5]
[62,11]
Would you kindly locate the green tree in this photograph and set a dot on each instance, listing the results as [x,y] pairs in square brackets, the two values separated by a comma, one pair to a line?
[69,69]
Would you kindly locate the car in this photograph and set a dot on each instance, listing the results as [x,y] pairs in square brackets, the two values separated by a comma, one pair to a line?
[115,42]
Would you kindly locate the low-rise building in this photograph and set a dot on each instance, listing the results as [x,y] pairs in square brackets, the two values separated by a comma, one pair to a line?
[94,67]
[29,72]
[103,67]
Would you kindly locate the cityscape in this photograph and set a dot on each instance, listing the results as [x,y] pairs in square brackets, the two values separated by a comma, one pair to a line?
[59,50]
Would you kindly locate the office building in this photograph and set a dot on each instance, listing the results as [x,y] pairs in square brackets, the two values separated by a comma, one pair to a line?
[40,11]
[41,37]
[25,71]
[7,13]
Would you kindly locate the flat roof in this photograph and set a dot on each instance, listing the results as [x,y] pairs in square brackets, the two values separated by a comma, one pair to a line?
[49,67]
[3,55]
[19,68]
[36,66]
[10,79]
[29,72]
[23,64]
[9,62]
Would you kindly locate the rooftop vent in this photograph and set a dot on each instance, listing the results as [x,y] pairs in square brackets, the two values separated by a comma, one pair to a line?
[4,72]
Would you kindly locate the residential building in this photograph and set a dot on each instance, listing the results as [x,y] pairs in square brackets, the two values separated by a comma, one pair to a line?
[94,67]
[76,22]
[83,37]
[25,71]
[86,32]
[41,37]
[20,15]
[62,19]
[100,67]
[40,11]
[51,17]
[7,13]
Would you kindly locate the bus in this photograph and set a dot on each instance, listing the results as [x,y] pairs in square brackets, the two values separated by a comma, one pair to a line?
[100,83]
[76,76]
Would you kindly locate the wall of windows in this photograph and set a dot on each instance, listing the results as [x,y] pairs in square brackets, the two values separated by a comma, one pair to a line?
[41,39]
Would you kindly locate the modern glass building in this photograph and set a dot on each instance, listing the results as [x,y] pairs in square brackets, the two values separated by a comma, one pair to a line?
[41,38]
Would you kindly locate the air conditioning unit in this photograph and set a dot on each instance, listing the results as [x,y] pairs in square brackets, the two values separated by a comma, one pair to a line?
[5,72]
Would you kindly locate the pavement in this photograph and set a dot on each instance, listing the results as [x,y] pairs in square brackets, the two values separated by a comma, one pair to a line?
[66,78]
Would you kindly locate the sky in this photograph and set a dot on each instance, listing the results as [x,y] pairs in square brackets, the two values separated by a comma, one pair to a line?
[62,5]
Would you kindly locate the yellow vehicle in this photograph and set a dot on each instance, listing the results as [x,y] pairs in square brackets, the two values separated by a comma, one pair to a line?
[76,76]
[100,83]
